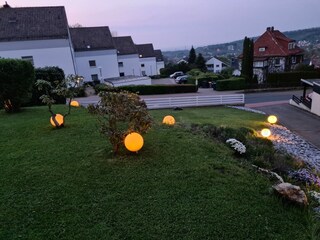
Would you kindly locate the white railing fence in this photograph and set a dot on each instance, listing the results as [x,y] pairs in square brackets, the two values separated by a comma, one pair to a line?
[194,101]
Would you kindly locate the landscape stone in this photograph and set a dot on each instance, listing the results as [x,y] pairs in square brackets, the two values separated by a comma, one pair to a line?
[292,193]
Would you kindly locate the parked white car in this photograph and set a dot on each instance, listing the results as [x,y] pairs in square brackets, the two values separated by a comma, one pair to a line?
[176,74]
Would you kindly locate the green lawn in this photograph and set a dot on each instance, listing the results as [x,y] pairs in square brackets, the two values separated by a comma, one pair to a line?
[66,184]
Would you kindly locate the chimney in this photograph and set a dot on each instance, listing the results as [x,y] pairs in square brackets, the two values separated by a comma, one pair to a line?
[268,28]
[272,29]
[6,5]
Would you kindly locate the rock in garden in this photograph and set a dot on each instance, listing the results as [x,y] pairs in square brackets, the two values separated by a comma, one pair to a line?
[292,193]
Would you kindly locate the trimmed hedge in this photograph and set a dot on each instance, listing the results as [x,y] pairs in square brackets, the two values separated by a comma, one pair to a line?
[289,79]
[16,79]
[231,84]
[151,89]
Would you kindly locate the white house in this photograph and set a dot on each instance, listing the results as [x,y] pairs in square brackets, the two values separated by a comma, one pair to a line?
[148,64]
[36,34]
[128,57]
[159,60]
[95,53]
[215,65]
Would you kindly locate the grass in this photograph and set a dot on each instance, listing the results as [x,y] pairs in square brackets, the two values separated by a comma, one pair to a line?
[66,184]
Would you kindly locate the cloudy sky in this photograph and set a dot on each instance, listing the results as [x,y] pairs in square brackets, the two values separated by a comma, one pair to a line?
[178,24]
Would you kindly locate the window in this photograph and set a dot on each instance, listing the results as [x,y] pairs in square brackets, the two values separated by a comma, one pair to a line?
[277,61]
[262,49]
[92,63]
[28,59]
[143,73]
[293,59]
[120,64]
[258,64]
[291,45]
[142,65]
[122,74]
[209,65]
[94,77]
[217,65]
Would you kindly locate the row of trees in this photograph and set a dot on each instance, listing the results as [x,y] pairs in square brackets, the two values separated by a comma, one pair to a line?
[195,61]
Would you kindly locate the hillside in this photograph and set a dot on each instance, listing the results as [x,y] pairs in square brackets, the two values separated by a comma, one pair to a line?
[308,39]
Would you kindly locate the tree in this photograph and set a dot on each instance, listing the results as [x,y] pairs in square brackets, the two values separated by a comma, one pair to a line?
[192,56]
[247,60]
[16,79]
[201,63]
[65,88]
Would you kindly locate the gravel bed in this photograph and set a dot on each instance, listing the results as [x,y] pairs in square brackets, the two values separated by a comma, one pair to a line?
[284,139]
[287,141]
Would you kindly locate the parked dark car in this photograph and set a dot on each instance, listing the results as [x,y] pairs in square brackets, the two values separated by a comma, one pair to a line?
[182,79]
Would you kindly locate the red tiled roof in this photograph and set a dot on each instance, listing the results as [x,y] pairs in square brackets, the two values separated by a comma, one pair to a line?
[275,44]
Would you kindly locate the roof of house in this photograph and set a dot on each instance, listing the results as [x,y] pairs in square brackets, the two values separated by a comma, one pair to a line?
[145,50]
[159,56]
[91,38]
[275,44]
[33,23]
[124,45]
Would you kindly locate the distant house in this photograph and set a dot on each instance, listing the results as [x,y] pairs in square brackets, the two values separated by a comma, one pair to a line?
[274,52]
[95,53]
[147,57]
[315,61]
[36,34]
[215,65]
[128,57]
[159,60]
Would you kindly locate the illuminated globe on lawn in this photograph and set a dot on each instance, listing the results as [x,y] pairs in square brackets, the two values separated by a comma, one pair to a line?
[265,132]
[59,120]
[133,142]
[75,103]
[272,119]
[169,120]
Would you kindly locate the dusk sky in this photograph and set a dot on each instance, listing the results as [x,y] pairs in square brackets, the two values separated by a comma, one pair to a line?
[178,24]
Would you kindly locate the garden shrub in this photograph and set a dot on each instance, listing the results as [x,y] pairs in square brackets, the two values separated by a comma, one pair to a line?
[150,89]
[289,79]
[120,113]
[55,76]
[235,83]
[16,79]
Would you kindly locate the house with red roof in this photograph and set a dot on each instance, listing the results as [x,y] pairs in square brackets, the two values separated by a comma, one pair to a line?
[275,52]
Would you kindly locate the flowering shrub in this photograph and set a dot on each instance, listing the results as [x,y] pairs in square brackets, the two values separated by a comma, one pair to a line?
[306,176]
[238,146]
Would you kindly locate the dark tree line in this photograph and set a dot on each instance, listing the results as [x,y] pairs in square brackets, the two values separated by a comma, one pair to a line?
[247,60]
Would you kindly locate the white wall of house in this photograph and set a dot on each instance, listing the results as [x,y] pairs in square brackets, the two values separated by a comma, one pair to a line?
[148,66]
[214,65]
[56,52]
[131,81]
[129,65]
[315,107]
[106,64]
[160,65]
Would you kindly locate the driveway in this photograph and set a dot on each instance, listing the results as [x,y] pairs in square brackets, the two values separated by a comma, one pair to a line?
[295,119]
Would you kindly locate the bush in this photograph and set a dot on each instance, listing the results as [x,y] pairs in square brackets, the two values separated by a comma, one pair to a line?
[16,79]
[55,76]
[150,89]
[120,114]
[289,79]
[230,84]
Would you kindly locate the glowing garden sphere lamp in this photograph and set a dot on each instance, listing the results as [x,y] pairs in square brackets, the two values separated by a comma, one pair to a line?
[75,103]
[168,120]
[272,119]
[58,121]
[133,142]
[266,132]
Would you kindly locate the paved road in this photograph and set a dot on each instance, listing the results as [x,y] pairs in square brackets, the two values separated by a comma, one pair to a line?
[271,96]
